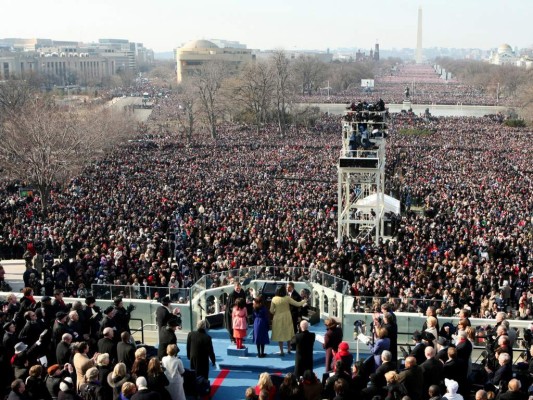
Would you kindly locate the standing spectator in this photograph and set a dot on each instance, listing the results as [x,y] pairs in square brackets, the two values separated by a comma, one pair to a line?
[200,350]
[389,322]
[295,311]
[412,378]
[162,313]
[432,369]
[312,388]
[35,386]
[122,315]
[67,390]
[456,369]
[261,326]
[126,350]
[167,336]
[451,390]
[117,378]
[232,299]
[239,319]
[343,354]
[63,350]
[140,365]
[332,339]
[59,304]
[82,362]
[304,342]
[92,389]
[127,391]
[290,389]
[104,369]
[18,389]
[265,383]
[514,392]
[282,328]
[143,393]
[339,373]
[10,339]
[55,376]
[108,345]
[432,328]
[108,321]
[174,371]
[156,379]
[381,344]
[395,391]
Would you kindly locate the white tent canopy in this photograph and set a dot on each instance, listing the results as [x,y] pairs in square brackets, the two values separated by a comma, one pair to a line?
[391,204]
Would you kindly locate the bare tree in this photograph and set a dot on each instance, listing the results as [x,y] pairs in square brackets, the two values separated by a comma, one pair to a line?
[188,108]
[13,95]
[310,73]
[208,83]
[253,90]
[282,87]
[46,145]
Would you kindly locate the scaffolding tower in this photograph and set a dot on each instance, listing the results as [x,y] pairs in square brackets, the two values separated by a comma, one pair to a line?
[361,176]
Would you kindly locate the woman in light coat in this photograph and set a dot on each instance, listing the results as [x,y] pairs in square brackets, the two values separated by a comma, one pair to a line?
[282,326]
[174,371]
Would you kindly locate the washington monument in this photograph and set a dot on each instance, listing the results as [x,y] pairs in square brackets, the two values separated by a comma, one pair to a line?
[418,56]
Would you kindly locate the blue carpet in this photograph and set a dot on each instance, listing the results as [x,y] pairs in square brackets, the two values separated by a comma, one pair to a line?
[244,371]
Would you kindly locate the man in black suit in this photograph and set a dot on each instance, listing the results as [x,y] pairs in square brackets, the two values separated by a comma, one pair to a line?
[304,342]
[10,339]
[514,392]
[31,330]
[442,349]
[504,373]
[143,393]
[412,378]
[432,369]
[162,313]
[457,370]
[167,336]
[232,298]
[107,345]
[418,349]
[377,379]
[200,350]
[108,321]
[464,347]
[295,311]
[63,352]
[126,350]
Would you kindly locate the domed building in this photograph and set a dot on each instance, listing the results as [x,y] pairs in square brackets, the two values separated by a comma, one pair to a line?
[196,53]
[503,55]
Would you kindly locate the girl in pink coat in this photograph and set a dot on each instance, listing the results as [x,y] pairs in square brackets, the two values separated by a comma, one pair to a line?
[239,317]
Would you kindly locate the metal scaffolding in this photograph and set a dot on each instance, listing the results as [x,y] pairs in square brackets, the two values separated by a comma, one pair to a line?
[361,175]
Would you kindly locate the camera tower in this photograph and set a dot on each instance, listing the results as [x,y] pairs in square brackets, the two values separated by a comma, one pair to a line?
[361,177]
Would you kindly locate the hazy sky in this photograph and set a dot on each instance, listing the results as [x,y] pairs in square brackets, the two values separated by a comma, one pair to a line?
[290,24]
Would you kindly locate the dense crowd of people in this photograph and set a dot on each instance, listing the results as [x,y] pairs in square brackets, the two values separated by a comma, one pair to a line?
[157,214]
[426,87]
[437,365]
[51,349]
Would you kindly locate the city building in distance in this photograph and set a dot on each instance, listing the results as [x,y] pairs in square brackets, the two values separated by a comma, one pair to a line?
[70,62]
[193,55]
